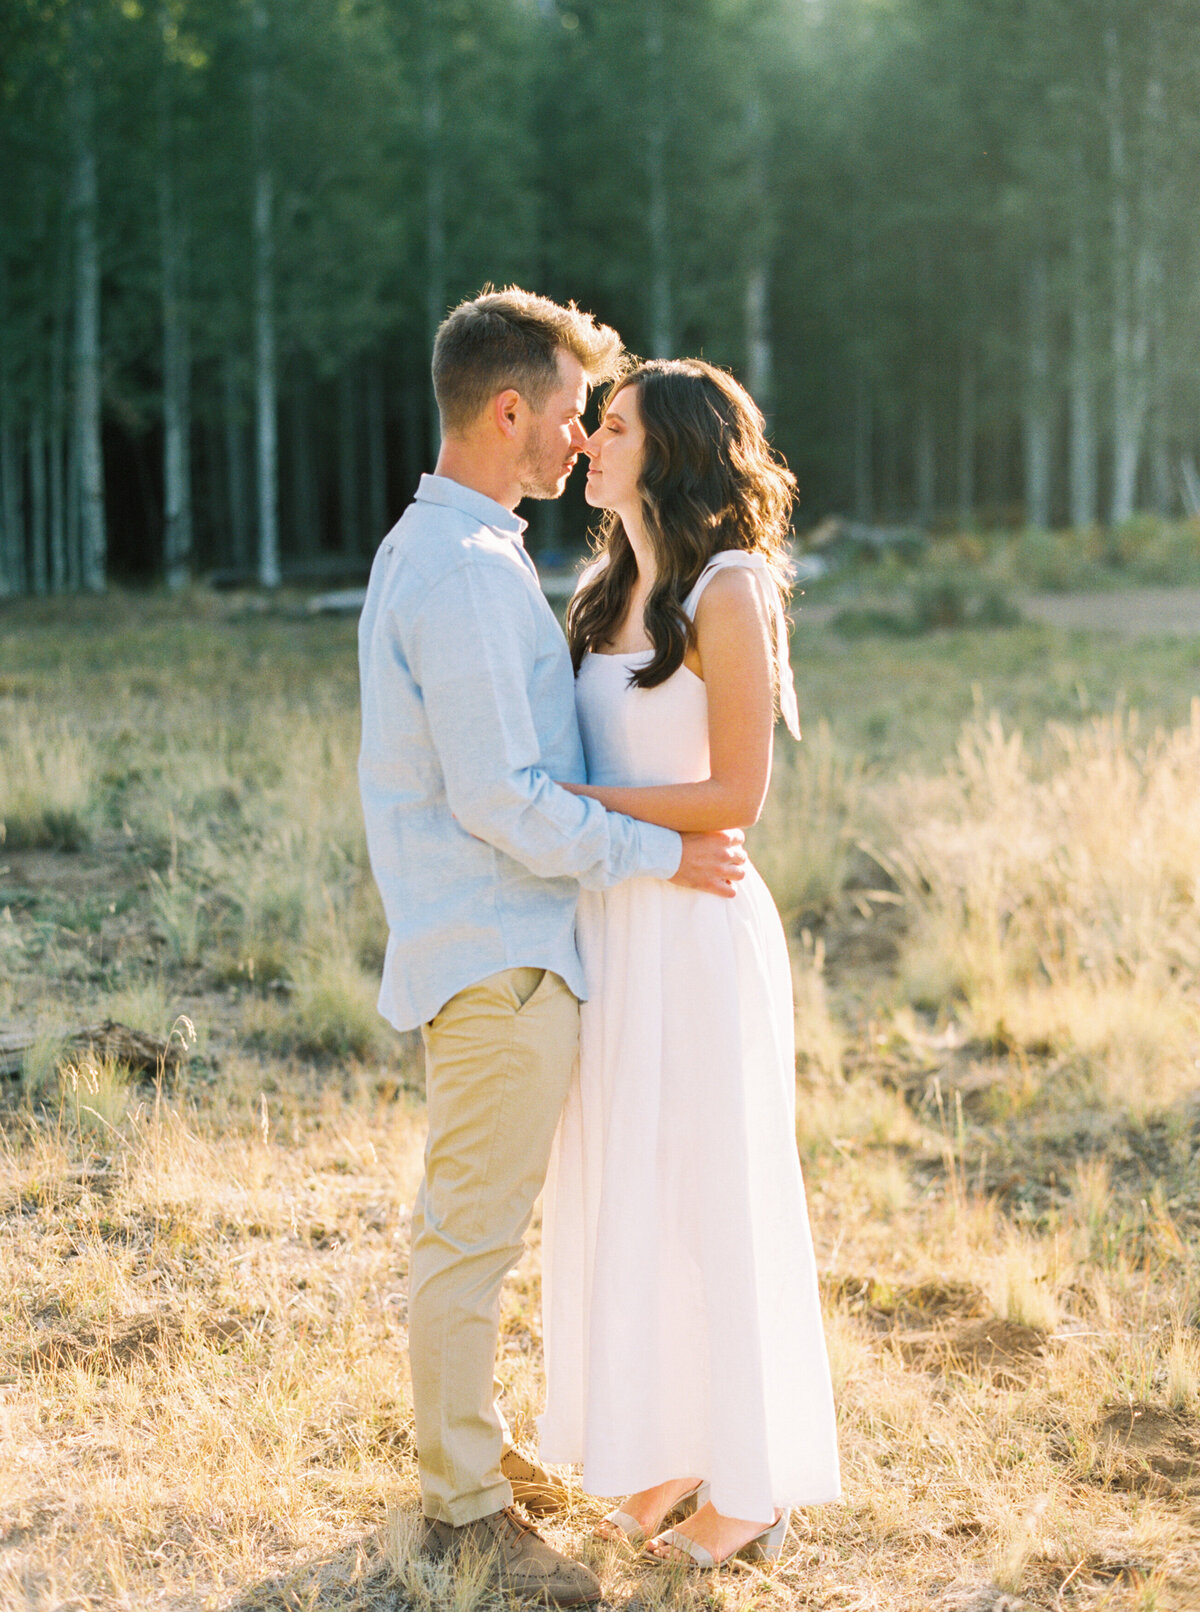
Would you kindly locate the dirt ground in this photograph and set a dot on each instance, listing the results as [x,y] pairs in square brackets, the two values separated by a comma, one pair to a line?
[1132,613]
[1128,613]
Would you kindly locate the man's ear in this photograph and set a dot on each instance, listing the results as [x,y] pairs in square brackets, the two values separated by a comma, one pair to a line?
[506,408]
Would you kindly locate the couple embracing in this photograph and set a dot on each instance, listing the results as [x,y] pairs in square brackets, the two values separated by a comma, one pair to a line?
[600,977]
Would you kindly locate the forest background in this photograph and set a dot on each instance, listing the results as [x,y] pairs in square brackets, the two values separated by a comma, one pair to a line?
[948,246]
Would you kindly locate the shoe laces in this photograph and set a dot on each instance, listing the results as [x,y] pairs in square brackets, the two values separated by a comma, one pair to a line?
[519,1523]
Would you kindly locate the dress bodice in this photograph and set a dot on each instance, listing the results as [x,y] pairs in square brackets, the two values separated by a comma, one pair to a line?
[641,736]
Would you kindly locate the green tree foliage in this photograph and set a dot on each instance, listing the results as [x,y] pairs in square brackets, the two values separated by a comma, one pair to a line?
[948,245]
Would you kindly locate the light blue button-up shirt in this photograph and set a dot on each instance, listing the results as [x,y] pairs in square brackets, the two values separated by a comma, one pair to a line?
[468,717]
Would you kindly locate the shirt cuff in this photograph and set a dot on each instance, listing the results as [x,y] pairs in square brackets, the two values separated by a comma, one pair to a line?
[662,851]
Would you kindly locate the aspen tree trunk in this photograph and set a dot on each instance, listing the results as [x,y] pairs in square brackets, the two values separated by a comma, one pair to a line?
[58,428]
[863,400]
[177,424]
[265,378]
[889,467]
[759,357]
[305,496]
[12,523]
[925,459]
[996,462]
[968,431]
[760,368]
[377,505]
[88,448]
[662,312]
[1129,336]
[1081,391]
[177,466]
[236,479]
[864,433]
[349,501]
[39,545]
[75,548]
[435,195]
[12,538]
[1155,147]
[1036,423]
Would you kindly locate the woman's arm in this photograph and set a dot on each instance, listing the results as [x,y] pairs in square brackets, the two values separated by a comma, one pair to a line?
[734,642]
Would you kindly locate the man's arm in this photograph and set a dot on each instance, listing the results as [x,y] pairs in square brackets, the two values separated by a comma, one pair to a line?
[472,650]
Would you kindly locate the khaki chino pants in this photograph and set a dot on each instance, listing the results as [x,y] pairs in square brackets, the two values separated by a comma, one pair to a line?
[498,1061]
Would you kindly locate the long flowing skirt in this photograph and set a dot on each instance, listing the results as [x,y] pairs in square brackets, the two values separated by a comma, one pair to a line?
[681,1315]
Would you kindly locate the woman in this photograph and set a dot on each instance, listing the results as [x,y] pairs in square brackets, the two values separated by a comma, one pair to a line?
[682,1326]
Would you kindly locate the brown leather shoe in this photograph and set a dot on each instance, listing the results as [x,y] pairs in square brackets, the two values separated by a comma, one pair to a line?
[532,1486]
[519,1560]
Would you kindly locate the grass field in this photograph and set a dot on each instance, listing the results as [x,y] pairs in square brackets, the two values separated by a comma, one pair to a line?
[988,854]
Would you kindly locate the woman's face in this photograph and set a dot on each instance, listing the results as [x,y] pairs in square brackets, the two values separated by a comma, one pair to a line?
[615,449]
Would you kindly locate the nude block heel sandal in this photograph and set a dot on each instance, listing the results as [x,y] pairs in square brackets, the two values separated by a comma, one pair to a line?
[767,1546]
[682,1508]
[764,1547]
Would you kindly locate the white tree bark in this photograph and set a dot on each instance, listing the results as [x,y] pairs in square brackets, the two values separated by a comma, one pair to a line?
[304,521]
[436,294]
[88,447]
[925,459]
[1083,452]
[265,378]
[12,524]
[39,530]
[377,510]
[1130,269]
[349,501]
[662,310]
[12,537]
[864,437]
[1037,420]
[1156,148]
[863,403]
[760,366]
[968,431]
[58,426]
[177,459]
[236,479]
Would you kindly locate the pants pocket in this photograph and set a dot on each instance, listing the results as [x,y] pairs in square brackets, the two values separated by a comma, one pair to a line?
[526,983]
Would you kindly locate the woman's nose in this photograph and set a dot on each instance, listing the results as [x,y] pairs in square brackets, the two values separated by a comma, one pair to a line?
[591,445]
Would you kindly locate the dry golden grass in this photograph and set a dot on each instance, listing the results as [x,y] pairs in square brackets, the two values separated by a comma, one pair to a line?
[203,1382]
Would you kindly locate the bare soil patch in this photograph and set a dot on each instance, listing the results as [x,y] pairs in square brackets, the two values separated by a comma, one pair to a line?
[1157,1449]
[152,1336]
[1002,1352]
[882,1302]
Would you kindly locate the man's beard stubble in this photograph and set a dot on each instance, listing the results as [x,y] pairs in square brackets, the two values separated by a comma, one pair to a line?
[541,471]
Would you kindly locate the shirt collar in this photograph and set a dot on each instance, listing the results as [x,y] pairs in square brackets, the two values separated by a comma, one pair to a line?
[441,490]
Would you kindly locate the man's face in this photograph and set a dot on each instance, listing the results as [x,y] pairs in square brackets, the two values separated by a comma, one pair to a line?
[555,434]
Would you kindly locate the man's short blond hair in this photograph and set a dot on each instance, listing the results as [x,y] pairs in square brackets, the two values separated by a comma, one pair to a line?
[512,338]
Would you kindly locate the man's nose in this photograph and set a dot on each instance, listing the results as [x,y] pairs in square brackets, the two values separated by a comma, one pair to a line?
[579,437]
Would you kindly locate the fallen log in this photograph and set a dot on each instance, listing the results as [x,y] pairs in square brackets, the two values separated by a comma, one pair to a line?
[107,1042]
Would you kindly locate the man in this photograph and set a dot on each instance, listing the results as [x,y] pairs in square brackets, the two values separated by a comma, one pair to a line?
[468,716]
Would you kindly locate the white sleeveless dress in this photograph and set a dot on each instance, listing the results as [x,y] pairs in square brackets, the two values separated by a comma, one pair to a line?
[681,1317]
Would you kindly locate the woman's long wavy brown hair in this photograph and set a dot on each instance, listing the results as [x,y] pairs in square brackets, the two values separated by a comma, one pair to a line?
[710,481]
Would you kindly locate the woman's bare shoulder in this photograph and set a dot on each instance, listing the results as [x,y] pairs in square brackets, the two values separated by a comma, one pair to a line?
[733,595]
